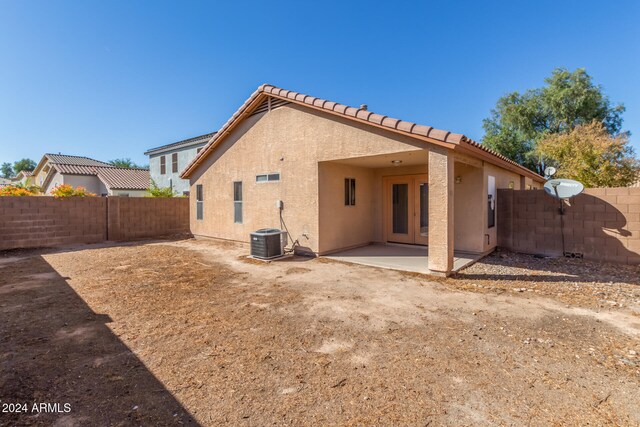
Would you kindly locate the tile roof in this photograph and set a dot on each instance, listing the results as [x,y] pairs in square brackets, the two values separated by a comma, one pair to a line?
[181,144]
[74,160]
[124,179]
[113,177]
[76,169]
[426,133]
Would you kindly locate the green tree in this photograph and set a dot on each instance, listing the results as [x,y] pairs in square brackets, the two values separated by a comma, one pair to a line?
[589,154]
[124,163]
[568,99]
[6,170]
[23,165]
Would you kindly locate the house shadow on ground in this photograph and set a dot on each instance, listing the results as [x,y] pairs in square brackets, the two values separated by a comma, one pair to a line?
[55,349]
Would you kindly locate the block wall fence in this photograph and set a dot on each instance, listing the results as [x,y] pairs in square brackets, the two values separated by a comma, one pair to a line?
[31,222]
[600,224]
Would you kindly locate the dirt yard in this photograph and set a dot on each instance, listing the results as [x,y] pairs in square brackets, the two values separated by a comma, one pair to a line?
[192,333]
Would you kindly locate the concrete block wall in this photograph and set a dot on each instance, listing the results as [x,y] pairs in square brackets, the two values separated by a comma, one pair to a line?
[27,222]
[133,218]
[30,222]
[601,224]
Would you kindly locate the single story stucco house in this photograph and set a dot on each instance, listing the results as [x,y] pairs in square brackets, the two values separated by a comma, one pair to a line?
[100,178]
[339,177]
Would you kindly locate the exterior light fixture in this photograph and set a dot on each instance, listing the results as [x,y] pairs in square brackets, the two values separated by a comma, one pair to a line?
[458,179]
[396,162]
[511,185]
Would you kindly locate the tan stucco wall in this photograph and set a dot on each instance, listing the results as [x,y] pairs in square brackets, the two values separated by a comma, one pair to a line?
[468,205]
[130,193]
[290,140]
[345,226]
[314,152]
[91,183]
[56,179]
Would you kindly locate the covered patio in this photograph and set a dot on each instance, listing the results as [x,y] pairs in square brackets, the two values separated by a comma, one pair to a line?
[404,205]
[400,257]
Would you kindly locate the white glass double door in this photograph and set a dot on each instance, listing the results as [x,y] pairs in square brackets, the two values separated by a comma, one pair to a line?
[407,209]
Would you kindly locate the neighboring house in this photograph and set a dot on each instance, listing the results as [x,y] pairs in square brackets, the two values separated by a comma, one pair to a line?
[4,182]
[23,177]
[166,163]
[340,177]
[95,176]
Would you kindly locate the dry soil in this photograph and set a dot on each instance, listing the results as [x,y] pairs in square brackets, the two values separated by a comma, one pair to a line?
[192,333]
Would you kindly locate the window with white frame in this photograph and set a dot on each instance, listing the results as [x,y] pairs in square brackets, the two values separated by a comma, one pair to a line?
[268,177]
[199,202]
[237,202]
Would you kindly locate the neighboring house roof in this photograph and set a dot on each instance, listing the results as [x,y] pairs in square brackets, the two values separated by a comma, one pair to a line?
[75,169]
[185,143]
[4,182]
[424,133]
[67,159]
[114,178]
[124,179]
[74,160]
[22,174]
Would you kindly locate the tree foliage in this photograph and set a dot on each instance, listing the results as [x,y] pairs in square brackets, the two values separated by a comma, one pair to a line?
[569,99]
[124,163]
[155,191]
[6,170]
[23,165]
[589,154]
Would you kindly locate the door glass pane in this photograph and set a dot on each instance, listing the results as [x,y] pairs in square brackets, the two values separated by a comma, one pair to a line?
[400,206]
[424,209]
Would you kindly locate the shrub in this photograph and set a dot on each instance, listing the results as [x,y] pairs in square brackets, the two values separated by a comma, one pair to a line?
[155,191]
[16,190]
[66,190]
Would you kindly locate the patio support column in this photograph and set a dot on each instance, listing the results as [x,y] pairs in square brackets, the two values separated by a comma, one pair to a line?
[441,182]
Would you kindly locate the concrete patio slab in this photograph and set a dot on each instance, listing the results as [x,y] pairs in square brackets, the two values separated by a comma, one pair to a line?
[399,257]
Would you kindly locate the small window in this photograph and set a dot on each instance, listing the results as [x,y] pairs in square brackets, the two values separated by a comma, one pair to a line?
[163,165]
[237,202]
[271,177]
[199,202]
[349,191]
[174,163]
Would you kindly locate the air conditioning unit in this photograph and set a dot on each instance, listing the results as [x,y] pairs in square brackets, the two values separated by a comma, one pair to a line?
[267,243]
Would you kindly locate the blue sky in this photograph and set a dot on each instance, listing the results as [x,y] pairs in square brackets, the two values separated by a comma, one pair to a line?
[111,79]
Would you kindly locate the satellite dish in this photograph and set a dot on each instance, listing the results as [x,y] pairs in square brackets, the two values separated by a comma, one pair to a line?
[550,171]
[563,188]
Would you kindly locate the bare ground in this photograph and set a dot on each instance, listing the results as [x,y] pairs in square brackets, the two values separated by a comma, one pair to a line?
[190,332]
